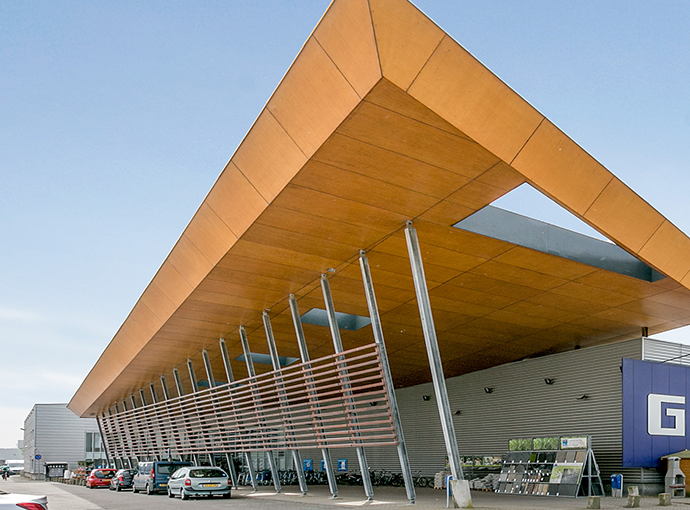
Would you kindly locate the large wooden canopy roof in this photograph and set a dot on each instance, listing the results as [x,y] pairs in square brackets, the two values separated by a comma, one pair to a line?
[384,118]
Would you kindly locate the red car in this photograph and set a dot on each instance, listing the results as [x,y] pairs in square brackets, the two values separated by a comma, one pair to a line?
[100,478]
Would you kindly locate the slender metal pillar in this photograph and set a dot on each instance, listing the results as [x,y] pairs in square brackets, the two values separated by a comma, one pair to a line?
[209,370]
[231,379]
[226,361]
[164,385]
[275,360]
[178,383]
[338,345]
[378,338]
[133,400]
[105,444]
[154,397]
[192,375]
[433,352]
[252,373]
[304,354]
[142,396]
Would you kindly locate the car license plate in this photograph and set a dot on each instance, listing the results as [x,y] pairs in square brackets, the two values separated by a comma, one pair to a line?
[163,484]
[210,485]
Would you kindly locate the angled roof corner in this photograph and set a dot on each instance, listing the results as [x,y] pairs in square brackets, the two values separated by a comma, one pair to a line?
[383,117]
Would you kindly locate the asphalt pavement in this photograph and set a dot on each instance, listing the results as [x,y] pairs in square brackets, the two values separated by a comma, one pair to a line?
[71,497]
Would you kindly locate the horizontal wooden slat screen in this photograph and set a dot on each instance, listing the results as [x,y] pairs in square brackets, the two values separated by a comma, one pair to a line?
[337,401]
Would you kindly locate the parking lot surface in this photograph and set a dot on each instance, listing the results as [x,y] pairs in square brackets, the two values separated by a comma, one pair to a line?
[70,497]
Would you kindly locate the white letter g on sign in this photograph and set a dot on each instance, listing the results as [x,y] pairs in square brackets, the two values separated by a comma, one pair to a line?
[654,415]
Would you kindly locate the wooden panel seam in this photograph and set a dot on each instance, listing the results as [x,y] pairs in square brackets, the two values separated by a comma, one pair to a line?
[427,59]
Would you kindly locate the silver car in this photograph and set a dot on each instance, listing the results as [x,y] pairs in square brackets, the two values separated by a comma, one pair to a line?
[195,481]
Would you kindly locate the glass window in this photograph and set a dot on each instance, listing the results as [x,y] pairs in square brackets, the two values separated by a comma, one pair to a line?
[207,473]
[89,441]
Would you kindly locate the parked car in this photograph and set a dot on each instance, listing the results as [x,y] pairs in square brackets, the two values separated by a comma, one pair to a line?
[122,480]
[199,481]
[152,477]
[25,501]
[100,477]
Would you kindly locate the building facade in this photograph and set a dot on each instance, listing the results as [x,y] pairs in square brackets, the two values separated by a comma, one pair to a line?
[52,433]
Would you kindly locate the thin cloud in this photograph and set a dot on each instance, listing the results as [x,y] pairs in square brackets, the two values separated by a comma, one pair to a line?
[19,315]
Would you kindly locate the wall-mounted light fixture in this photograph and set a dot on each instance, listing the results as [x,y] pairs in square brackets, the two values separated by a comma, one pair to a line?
[373,404]
[549,381]
[488,390]
[457,413]
[426,398]
[583,397]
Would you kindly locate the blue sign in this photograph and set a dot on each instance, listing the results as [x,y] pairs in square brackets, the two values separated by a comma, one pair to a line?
[323,465]
[307,465]
[617,481]
[654,411]
[37,457]
[342,464]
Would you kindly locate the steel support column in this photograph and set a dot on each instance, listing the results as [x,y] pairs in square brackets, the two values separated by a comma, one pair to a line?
[304,354]
[275,361]
[192,375]
[105,444]
[178,383]
[154,397]
[433,352]
[164,385]
[252,373]
[338,345]
[378,338]
[247,456]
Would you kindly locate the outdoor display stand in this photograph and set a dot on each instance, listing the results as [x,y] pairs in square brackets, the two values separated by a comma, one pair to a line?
[570,469]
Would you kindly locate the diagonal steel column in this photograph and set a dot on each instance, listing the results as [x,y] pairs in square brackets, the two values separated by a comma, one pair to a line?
[338,345]
[432,350]
[304,354]
[154,397]
[164,385]
[212,383]
[178,383]
[195,390]
[231,379]
[252,373]
[378,337]
[103,440]
[275,360]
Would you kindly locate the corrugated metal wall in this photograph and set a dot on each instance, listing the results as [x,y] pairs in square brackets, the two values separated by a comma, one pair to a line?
[57,434]
[523,405]
[662,351]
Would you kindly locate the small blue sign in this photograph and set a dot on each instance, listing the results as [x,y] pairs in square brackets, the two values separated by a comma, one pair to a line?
[342,464]
[323,465]
[37,457]
[616,481]
[307,465]
[654,411]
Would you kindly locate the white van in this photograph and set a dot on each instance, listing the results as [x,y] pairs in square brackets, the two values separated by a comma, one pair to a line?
[16,466]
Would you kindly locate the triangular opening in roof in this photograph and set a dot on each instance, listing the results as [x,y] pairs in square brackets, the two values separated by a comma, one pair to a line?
[528,218]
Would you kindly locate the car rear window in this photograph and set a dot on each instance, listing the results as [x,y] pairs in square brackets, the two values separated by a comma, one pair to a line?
[104,474]
[166,469]
[207,473]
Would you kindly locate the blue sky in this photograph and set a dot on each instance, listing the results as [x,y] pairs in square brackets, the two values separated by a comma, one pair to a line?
[117,117]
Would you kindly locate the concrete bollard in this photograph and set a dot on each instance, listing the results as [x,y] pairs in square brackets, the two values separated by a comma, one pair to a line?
[461,493]
[665,499]
[633,490]
[633,501]
[593,502]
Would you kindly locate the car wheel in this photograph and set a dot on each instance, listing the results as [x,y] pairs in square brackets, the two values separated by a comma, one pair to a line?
[184,495]
[226,496]
[134,489]
[170,494]
[149,492]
